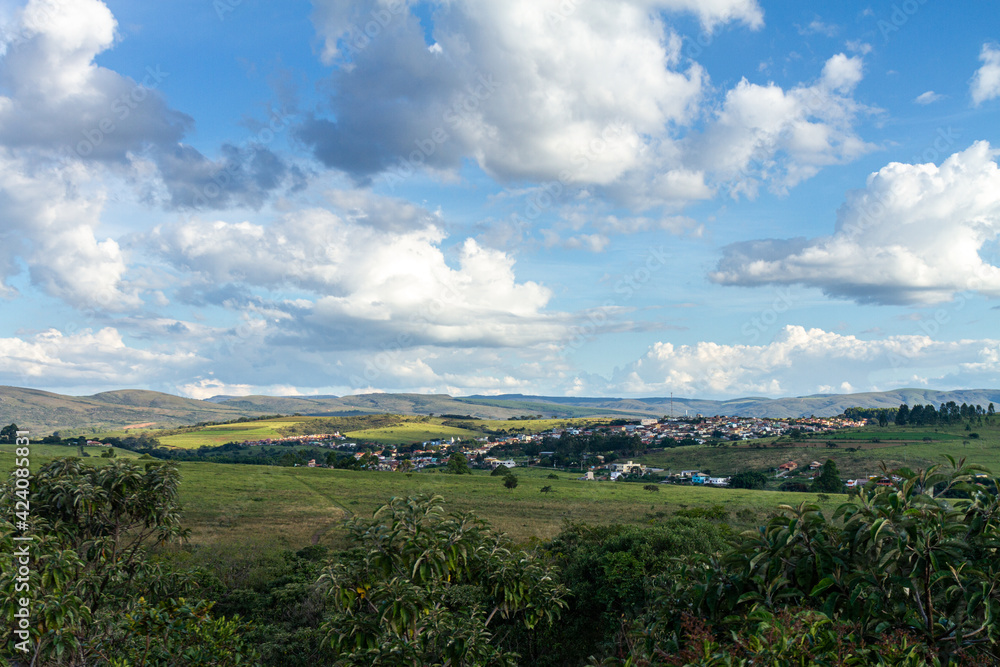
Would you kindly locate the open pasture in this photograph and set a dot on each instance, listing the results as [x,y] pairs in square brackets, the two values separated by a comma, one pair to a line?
[213,436]
[410,432]
[873,446]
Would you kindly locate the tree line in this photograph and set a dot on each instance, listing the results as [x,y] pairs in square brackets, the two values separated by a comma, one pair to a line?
[924,415]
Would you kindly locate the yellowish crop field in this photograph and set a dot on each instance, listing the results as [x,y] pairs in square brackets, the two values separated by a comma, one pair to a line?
[413,432]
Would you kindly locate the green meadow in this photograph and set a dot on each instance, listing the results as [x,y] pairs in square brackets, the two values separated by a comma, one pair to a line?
[227,505]
[297,506]
[539,425]
[896,447]
[412,432]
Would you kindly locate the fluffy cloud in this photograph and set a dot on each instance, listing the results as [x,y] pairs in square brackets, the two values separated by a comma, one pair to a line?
[62,106]
[373,284]
[245,176]
[986,82]
[96,358]
[595,96]
[797,357]
[587,94]
[524,88]
[913,235]
[51,215]
[767,134]
[61,102]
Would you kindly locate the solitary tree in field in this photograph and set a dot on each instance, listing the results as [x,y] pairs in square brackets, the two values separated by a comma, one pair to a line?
[510,481]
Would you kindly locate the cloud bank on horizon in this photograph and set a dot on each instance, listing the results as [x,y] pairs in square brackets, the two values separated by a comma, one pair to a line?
[603,198]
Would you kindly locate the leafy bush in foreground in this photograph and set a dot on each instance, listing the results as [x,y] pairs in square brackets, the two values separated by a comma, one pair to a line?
[911,564]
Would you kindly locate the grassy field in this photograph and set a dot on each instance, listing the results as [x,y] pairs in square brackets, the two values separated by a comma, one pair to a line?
[539,425]
[43,453]
[229,505]
[893,446]
[226,505]
[297,506]
[412,432]
[214,436]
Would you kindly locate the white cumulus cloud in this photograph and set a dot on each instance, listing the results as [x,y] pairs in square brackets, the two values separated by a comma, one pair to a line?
[371,283]
[985,84]
[912,236]
[797,358]
[87,357]
[765,134]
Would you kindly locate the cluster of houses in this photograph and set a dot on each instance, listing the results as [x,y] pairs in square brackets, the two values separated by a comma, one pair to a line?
[703,429]
[652,433]
[740,428]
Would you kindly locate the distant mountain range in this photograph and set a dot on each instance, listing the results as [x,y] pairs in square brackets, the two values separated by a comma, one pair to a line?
[44,412]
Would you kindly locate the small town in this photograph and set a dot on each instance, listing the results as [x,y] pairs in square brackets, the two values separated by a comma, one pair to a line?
[651,433]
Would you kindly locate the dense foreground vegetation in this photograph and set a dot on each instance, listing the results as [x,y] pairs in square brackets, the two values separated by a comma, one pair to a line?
[906,574]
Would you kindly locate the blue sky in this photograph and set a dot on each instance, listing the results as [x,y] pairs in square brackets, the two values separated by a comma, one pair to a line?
[626,198]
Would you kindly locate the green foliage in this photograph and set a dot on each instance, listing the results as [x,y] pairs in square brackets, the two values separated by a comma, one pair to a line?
[713,513]
[608,570]
[510,481]
[829,479]
[916,557]
[748,480]
[178,632]
[458,464]
[500,471]
[787,639]
[8,434]
[90,573]
[651,487]
[428,589]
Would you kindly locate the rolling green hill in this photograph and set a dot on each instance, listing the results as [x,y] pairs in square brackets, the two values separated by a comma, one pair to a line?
[43,412]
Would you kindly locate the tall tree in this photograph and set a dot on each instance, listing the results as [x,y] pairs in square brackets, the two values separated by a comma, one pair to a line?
[829,479]
[458,464]
[902,415]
